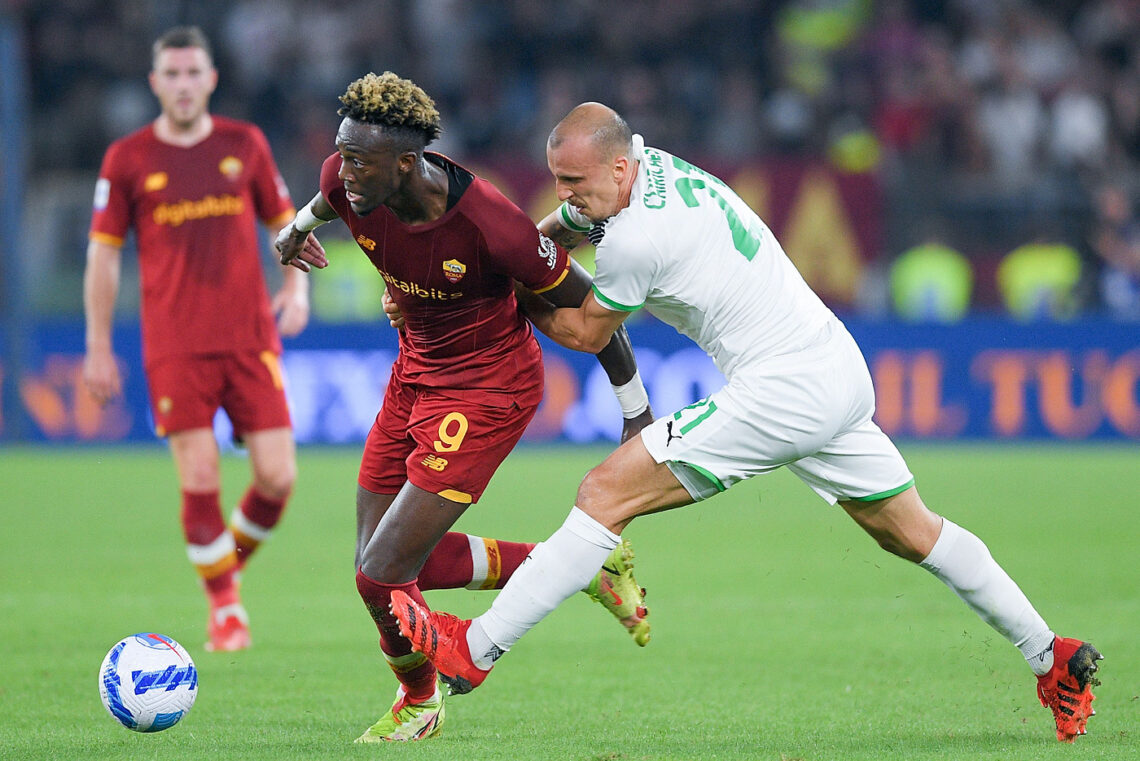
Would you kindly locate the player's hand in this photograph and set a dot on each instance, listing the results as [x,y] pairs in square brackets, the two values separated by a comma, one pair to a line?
[291,305]
[632,426]
[395,316]
[300,249]
[101,376]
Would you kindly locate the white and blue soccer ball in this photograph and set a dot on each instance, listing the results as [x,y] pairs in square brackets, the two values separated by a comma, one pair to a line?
[148,682]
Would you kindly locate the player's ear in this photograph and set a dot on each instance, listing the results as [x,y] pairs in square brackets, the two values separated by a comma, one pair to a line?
[407,161]
[621,166]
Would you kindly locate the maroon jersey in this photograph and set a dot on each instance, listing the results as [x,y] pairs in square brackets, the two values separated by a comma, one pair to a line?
[452,279]
[195,212]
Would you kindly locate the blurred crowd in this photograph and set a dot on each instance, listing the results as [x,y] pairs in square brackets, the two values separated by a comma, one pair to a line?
[992,123]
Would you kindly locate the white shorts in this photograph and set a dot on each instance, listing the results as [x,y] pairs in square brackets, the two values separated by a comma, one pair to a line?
[810,411]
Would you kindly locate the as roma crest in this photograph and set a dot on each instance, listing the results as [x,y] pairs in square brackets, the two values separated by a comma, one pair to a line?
[454,270]
[231,167]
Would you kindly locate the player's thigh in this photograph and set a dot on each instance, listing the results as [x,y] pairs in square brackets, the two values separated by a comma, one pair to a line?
[273,459]
[860,463]
[751,427]
[629,483]
[387,446]
[460,442]
[185,392]
[195,453]
[254,394]
[407,532]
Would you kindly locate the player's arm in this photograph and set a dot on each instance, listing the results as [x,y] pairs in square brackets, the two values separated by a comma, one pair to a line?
[565,226]
[100,289]
[571,316]
[297,244]
[291,303]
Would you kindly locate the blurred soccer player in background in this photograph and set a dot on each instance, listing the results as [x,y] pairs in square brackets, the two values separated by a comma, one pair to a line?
[467,380]
[194,186]
[675,239]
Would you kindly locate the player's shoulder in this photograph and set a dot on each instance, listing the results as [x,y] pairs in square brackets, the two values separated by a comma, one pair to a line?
[124,154]
[489,208]
[143,136]
[238,130]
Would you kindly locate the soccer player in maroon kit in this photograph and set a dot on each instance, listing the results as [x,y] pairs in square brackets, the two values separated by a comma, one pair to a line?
[468,377]
[193,186]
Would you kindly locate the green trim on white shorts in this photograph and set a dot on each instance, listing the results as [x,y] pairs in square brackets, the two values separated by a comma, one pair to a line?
[611,303]
[882,494]
[698,482]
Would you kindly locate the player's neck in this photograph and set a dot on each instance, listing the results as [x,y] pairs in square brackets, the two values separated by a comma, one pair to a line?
[183,135]
[424,199]
[627,189]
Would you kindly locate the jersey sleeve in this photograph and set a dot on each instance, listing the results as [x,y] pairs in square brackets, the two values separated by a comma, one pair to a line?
[626,263]
[516,248]
[111,208]
[270,195]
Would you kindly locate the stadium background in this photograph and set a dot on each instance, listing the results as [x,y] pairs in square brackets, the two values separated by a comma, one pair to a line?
[943,173]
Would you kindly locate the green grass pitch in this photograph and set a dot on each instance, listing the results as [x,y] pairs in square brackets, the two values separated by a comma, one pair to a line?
[780,631]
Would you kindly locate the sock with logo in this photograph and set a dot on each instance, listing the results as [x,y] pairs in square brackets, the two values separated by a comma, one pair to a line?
[963,563]
[556,569]
[412,669]
[209,545]
[253,521]
[463,560]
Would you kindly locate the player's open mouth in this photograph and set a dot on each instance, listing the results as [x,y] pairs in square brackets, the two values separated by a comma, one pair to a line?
[352,197]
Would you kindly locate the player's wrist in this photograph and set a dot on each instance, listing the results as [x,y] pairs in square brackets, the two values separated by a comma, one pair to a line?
[572,219]
[306,221]
[632,397]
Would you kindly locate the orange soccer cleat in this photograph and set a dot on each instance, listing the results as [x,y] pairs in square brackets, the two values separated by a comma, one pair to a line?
[442,637]
[227,629]
[1066,689]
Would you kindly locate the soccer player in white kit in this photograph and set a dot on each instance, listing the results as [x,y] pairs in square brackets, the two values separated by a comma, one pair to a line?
[676,240]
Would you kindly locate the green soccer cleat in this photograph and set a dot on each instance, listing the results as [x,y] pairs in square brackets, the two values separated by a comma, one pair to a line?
[407,721]
[618,592]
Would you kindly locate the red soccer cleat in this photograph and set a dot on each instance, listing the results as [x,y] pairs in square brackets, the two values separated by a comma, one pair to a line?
[442,637]
[227,629]
[1066,689]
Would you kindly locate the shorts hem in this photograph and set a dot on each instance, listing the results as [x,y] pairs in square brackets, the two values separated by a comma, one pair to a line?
[882,494]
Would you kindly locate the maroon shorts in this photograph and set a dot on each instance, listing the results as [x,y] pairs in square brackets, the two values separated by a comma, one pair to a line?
[186,392]
[442,444]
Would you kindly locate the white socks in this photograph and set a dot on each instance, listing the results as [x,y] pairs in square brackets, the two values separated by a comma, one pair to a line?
[965,565]
[555,569]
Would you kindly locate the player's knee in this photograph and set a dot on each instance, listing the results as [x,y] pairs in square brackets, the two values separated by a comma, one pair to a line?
[276,481]
[600,495]
[387,568]
[200,475]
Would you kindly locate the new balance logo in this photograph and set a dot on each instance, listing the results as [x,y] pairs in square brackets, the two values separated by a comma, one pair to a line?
[434,462]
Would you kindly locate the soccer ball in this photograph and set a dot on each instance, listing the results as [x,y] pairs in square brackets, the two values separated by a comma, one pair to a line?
[148,682]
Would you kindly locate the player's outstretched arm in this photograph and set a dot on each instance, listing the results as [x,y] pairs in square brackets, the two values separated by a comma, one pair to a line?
[297,244]
[570,316]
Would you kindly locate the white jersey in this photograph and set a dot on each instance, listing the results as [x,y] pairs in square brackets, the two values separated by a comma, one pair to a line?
[689,250]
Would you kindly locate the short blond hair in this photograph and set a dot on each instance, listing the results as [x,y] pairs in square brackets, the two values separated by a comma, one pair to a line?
[394,103]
